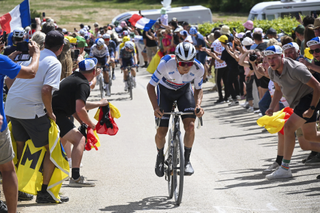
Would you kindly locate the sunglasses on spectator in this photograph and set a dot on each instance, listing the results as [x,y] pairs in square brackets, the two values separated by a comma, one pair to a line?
[184,63]
[314,51]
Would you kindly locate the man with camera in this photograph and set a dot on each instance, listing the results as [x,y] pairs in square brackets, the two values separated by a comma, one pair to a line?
[7,168]
[29,107]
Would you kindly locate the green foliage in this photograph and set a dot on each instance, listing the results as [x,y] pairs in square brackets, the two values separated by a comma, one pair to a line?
[286,24]
[34,13]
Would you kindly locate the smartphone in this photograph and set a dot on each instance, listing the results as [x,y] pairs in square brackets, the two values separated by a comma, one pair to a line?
[43,14]
[76,54]
[315,14]
[297,16]
[4,37]
[234,29]
[22,57]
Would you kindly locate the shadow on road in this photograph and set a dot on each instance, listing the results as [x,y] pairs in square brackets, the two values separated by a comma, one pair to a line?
[149,203]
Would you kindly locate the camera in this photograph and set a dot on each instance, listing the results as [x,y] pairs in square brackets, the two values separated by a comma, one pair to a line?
[24,48]
[4,37]
[76,54]
[253,57]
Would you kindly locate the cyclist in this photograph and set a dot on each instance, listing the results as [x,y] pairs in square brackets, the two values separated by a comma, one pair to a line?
[127,57]
[100,51]
[112,48]
[173,79]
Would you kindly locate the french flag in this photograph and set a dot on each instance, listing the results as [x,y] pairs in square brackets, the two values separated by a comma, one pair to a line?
[141,22]
[18,17]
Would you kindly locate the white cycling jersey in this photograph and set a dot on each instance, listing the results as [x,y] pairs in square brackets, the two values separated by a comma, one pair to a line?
[168,75]
[94,52]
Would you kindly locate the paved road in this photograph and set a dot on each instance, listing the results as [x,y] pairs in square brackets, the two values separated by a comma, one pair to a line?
[229,154]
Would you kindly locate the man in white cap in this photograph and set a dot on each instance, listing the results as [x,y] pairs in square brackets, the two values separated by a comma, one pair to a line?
[293,80]
[71,99]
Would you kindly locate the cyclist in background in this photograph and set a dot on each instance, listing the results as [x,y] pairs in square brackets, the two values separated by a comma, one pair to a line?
[112,48]
[127,57]
[100,51]
[173,79]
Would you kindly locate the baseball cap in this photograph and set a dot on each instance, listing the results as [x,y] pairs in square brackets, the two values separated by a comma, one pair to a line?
[174,19]
[193,31]
[290,45]
[88,64]
[54,38]
[183,32]
[223,39]
[314,41]
[271,50]
[299,29]
[64,30]
[271,31]
[247,41]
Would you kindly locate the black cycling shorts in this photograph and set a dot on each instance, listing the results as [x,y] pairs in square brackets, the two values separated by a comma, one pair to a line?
[184,97]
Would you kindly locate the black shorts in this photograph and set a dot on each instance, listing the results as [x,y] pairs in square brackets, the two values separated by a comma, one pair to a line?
[264,82]
[184,97]
[36,129]
[64,122]
[304,105]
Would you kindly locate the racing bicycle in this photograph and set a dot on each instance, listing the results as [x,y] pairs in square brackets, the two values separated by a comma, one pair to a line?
[174,163]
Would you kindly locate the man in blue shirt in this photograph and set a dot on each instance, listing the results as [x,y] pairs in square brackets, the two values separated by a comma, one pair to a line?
[12,70]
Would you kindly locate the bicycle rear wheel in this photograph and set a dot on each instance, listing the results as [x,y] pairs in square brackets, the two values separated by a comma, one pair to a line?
[168,163]
[101,85]
[178,168]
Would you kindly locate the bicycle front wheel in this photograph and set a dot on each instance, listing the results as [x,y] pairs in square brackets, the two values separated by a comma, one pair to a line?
[178,168]
[169,166]
[130,86]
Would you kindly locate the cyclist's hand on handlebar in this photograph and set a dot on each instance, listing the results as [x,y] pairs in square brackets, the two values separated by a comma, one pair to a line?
[199,111]
[158,112]
[107,65]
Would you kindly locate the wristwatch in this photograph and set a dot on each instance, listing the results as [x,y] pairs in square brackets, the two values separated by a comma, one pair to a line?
[312,107]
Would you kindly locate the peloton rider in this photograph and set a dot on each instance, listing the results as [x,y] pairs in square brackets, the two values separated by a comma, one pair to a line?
[112,49]
[127,57]
[100,51]
[173,79]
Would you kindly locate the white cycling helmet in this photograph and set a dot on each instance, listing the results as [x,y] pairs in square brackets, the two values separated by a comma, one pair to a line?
[99,42]
[18,33]
[185,51]
[129,44]
[106,36]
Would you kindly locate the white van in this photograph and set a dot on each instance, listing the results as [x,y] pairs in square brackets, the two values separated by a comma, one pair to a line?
[276,9]
[191,14]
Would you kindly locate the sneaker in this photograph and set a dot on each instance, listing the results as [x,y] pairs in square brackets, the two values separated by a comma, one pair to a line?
[144,66]
[271,168]
[125,86]
[257,111]
[80,182]
[280,174]
[45,197]
[238,97]
[313,161]
[134,84]
[219,101]
[310,156]
[107,90]
[22,196]
[188,170]
[245,105]
[260,114]
[250,109]
[234,103]
[113,76]
[159,168]
[3,207]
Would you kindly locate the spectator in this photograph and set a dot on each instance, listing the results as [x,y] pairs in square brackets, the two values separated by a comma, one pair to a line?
[272,33]
[299,31]
[316,27]
[17,37]
[71,99]
[248,25]
[47,27]
[185,37]
[7,168]
[28,117]
[164,17]
[151,45]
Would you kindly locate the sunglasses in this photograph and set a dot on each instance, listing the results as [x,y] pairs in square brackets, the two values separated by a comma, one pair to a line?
[314,51]
[107,39]
[184,63]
